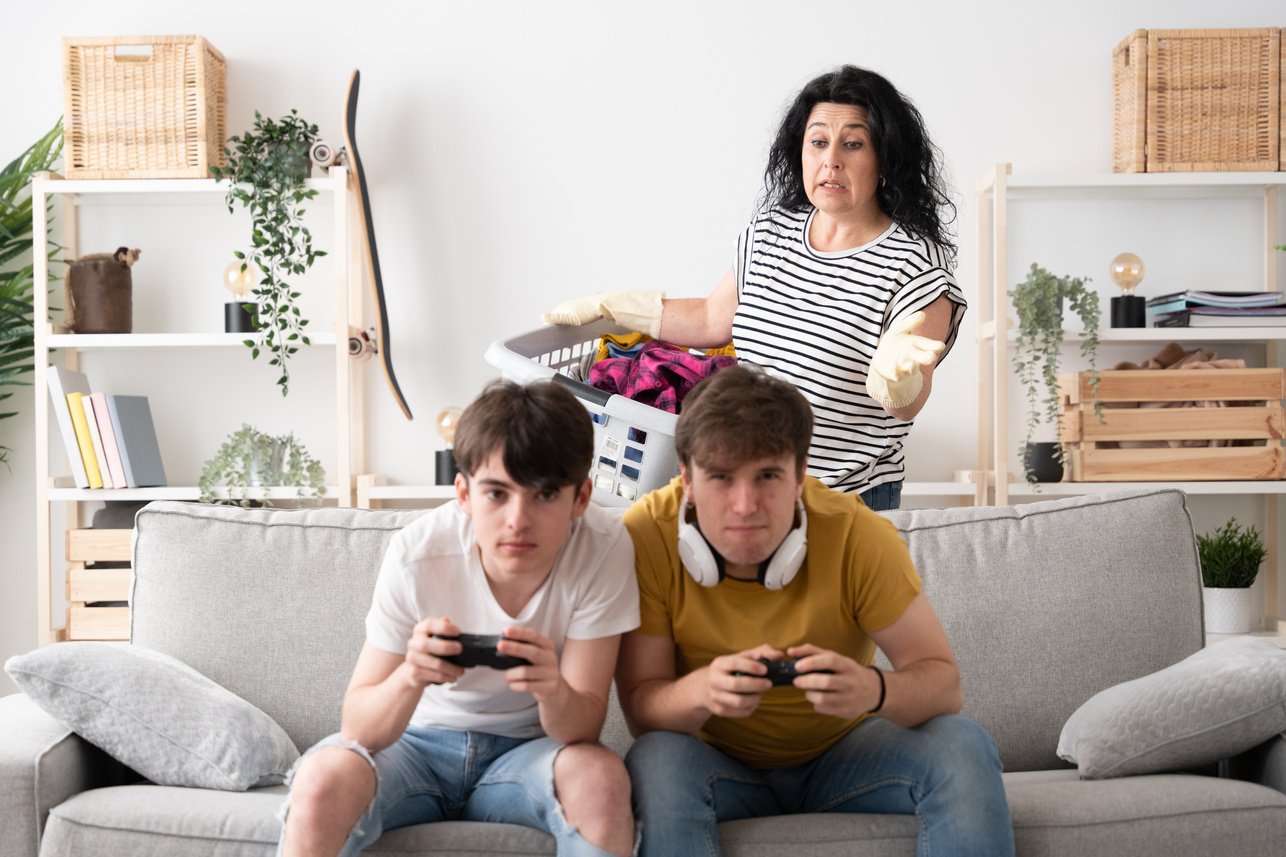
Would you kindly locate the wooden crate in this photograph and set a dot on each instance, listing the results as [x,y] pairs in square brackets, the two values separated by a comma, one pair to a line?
[143,107]
[97,597]
[1256,417]
[1190,100]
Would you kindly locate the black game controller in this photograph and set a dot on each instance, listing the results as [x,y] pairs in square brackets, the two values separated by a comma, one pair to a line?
[780,672]
[479,650]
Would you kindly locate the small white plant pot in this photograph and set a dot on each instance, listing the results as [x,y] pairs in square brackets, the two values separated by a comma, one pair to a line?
[1229,611]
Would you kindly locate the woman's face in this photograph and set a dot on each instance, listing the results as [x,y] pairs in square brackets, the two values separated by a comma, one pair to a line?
[841,169]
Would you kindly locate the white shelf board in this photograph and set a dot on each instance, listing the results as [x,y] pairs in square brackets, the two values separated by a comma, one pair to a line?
[169,492]
[1073,489]
[412,492]
[1277,638]
[447,492]
[105,341]
[109,187]
[1137,185]
[938,489]
[1126,335]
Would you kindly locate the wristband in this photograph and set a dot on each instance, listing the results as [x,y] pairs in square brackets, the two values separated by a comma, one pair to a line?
[879,674]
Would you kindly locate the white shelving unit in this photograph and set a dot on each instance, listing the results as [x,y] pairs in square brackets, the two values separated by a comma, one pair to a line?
[226,348]
[995,444]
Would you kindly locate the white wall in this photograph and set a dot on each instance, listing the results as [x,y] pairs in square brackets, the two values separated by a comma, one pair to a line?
[519,153]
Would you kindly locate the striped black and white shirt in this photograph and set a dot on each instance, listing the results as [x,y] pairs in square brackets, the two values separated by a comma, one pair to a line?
[815,318]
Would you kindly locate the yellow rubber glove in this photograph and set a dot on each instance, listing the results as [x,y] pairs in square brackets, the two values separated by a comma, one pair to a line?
[639,311]
[895,380]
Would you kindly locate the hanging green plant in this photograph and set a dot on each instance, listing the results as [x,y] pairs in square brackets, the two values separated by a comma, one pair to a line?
[250,462]
[268,167]
[1038,302]
[17,273]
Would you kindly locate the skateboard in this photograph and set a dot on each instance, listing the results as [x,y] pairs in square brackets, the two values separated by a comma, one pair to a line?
[358,181]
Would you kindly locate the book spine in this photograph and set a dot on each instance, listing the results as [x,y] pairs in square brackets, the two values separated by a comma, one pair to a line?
[110,447]
[81,426]
[96,440]
[121,444]
[62,415]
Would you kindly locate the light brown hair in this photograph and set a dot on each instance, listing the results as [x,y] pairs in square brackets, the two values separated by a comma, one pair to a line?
[740,414]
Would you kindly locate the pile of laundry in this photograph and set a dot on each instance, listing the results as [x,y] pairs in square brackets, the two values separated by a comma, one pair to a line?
[1173,357]
[648,370]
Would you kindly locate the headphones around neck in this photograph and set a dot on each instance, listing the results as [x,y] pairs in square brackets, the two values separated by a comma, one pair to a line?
[707,567]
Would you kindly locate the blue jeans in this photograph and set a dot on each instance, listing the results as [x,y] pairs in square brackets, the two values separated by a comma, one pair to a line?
[945,771]
[444,774]
[881,498]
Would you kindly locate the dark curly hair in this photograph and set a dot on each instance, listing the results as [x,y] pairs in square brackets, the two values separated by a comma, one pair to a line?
[914,193]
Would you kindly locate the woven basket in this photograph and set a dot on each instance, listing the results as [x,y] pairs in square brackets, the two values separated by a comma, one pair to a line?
[1186,100]
[143,107]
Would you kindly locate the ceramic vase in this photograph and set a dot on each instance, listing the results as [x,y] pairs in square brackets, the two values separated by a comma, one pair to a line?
[1229,611]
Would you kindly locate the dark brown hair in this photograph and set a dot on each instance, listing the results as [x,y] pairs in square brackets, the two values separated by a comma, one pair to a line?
[543,433]
[741,414]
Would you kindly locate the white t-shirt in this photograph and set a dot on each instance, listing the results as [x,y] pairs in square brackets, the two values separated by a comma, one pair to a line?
[432,568]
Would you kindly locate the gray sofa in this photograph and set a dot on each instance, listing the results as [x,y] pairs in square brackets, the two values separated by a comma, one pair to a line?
[1045,604]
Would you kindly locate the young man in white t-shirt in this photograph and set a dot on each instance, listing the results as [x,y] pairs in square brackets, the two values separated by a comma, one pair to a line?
[522,553]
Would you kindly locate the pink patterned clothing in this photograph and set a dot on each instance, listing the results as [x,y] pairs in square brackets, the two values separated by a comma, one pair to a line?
[660,375]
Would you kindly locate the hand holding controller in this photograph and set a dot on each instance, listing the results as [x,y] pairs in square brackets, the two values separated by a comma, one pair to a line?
[479,650]
[781,672]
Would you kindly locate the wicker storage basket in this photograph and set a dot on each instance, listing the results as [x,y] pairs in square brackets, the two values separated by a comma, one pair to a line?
[143,107]
[1186,100]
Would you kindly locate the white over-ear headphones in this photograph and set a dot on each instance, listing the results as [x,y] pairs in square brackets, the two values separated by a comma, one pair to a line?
[707,569]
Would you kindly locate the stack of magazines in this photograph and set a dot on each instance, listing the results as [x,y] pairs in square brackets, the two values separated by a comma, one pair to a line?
[1217,309]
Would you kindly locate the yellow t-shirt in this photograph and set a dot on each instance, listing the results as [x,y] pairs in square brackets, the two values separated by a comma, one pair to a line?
[857,578]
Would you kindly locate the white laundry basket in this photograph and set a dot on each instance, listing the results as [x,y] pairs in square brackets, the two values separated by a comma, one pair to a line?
[633,442]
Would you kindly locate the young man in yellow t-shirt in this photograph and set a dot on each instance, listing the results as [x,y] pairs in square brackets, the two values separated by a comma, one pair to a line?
[745,566]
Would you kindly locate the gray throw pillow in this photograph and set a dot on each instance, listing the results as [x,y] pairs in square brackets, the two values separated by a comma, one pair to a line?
[156,714]
[1216,703]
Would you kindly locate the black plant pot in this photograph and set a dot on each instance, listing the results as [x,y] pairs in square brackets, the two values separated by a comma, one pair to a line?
[1039,459]
[237,319]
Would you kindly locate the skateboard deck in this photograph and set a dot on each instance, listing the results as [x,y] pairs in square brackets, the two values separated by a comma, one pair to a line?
[383,347]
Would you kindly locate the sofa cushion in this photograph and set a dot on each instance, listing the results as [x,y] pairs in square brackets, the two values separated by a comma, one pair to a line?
[1056,812]
[157,821]
[1047,603]
[156,714]
[268,603]
[1217,703]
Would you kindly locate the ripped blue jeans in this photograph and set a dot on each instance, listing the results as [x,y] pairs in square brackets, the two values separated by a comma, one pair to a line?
[444,774]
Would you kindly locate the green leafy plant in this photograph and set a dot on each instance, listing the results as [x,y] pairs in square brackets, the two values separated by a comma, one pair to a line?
[1038,300]
[17,274]
[1230,559]
[250,461]
[268,166]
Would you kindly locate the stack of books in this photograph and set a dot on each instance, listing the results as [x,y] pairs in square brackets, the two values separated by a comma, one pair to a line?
[1217,309]
[110,439]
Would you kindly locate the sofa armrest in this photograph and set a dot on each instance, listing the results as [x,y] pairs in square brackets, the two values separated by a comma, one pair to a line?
[42,763]
[1265,764]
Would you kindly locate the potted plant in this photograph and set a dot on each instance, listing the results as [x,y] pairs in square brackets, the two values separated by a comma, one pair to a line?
[1038,300]
[17,275]
[268,166]
[1230,561]
[251,461]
